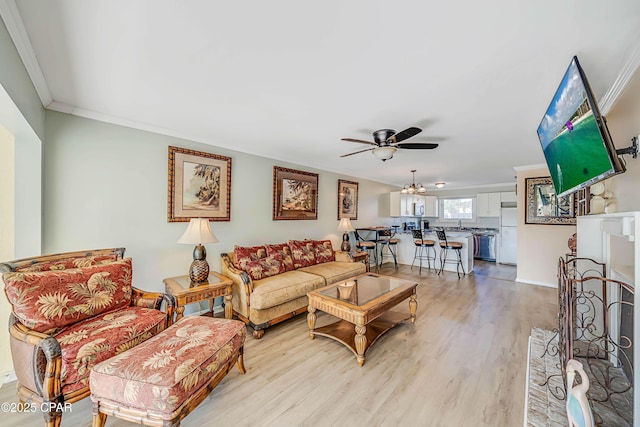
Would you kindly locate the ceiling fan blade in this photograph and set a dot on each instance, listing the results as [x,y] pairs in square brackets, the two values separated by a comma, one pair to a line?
[359,140]
[357,152]
[416,146]
[405,134]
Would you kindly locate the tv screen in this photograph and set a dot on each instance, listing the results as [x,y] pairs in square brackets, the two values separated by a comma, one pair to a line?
[574,136]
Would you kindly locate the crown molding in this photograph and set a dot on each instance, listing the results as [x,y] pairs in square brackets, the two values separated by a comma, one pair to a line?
[627,71]
[18,33]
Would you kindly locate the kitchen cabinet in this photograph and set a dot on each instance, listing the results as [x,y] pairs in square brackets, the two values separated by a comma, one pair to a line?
[488,204]
[394,204]
[508,197]
[430,206]
[402,204]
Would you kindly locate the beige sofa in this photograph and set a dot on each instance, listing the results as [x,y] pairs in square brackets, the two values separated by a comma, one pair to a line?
[270,282]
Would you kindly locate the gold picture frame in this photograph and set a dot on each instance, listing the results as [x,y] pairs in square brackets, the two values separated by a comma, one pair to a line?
[295,194]
[544,207]
[347,199]
[199,186]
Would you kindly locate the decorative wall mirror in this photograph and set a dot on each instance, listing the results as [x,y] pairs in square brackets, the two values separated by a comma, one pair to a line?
[544,207]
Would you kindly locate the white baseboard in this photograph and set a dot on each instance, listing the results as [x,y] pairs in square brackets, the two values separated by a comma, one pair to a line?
[536,282]
[8,377]
[526,386]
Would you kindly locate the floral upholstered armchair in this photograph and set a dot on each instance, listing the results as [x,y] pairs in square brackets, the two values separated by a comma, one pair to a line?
[71,311]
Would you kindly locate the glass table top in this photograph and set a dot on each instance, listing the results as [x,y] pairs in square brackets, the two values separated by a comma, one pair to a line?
[366,288]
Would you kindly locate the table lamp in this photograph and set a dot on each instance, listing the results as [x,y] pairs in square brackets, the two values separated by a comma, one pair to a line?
[345,226]
[198,232]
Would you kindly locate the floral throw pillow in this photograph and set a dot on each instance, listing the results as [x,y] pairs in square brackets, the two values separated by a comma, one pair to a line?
[284,251]
[243,255]
[303,253]
[265,267]
[64,264]
[47,300]
[324,251]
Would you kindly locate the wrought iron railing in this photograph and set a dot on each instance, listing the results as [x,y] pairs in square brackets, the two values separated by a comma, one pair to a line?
[595,326]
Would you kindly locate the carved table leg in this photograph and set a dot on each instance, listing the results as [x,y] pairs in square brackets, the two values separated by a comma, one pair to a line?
[361,343]
[179,312]
[228,306]
[311,321]
[413,306]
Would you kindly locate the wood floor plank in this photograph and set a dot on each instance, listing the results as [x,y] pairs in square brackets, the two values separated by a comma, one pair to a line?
[461,364]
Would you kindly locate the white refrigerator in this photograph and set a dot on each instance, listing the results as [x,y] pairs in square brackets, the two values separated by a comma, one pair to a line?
[508,253]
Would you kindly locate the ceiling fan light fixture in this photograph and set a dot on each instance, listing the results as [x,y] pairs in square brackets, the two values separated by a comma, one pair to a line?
[440,184]
[384,153]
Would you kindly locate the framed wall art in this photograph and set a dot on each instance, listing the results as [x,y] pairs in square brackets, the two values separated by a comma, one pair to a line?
[295,194]
[199,186]
[347,199]
[544,207]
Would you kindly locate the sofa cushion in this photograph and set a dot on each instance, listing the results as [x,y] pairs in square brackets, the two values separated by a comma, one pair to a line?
[303,252]
[49,300]
[265,267]
[66,264]
[244,254]
[161,374]
[324,251]
[284,287]
[285,252]
[93,340]
[336,271]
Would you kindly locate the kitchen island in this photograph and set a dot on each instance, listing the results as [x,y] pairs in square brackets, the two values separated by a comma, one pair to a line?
[406,249]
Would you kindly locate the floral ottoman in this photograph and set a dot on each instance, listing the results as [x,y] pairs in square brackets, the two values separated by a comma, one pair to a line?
[160,381]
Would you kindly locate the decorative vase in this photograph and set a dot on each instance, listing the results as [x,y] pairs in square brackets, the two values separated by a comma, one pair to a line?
[573,243]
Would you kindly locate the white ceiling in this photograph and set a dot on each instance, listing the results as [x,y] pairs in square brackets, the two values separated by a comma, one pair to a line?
[287,79]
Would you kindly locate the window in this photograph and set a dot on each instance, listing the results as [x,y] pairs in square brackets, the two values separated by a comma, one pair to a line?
[459,208]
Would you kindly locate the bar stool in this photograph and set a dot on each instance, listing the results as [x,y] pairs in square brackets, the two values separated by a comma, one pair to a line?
[385,239]
[445,245]
[370,247]
[422,250]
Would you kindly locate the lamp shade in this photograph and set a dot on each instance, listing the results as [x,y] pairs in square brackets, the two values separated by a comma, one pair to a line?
[345,225]
[198,232]
[384,153]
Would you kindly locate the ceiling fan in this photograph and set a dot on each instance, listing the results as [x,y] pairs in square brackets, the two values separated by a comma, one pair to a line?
[387,142]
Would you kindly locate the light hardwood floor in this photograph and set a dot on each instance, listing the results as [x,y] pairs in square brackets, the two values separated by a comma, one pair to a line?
[461,364]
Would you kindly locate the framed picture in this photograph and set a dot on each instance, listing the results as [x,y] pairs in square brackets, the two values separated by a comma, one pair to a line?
[295,194]
[347,199]
[199,186]
[544,207]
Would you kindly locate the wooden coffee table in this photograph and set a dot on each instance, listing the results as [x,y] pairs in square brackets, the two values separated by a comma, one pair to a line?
[366,314]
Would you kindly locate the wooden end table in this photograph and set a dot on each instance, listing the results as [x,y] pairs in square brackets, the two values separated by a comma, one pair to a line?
[185,293]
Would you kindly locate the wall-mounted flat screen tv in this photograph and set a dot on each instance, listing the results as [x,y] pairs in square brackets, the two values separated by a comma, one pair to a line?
[574,136]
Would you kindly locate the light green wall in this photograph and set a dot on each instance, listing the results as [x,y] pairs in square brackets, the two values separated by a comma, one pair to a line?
[106,185]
